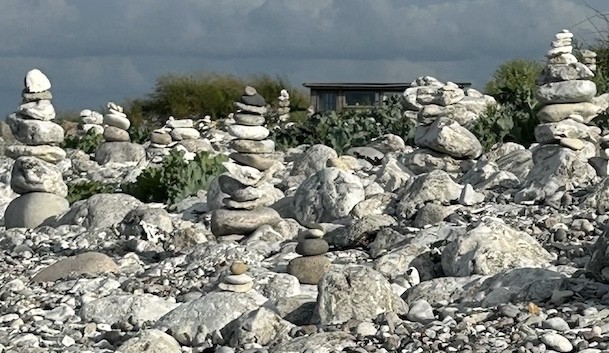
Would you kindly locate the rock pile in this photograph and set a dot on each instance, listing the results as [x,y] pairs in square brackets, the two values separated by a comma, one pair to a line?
[238,281]
[173,132]
[35,175]
[248,182]
[117,146]
[566,142]
[311,266]
[284,106]
[589,58]
[92,120]
[117,124]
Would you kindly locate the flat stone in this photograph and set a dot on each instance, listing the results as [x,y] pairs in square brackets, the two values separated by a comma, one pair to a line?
[237,288]
[556,73]
[312,247]
[558,112]
[260,161]
[250,91]
[180,123]
[572,143]
[185,133]
[87,263]
[251,108]
[250,146]
[31,174]
[249,119]
[448,136]
[238,279]
[51,154]
[160,138]
[36,81]
[118,120]
[573,91]
[255,100]
[32,209]
[115,134]
[248,132]
[227,222]
[35,132]
[557,342]
[32,97]
[309,269]
[38,110]
[564,59]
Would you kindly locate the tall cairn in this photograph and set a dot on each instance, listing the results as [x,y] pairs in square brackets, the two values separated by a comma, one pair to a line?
[566,141]
[284,106]
[35,175]
[249,176]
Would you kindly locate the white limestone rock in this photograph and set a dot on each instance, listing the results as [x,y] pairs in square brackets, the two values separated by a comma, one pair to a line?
[36,81]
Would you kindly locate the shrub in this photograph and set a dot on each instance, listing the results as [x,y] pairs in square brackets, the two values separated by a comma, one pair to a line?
[87,142]
[175,179]
[84,190]
[346,129]
[139,133]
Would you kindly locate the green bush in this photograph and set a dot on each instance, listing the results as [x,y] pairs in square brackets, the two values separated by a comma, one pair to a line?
[84,190]
[346,129]
[87,142]
[175,179]
[140,133]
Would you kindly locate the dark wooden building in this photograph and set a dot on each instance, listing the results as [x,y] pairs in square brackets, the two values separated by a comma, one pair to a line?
[341,96]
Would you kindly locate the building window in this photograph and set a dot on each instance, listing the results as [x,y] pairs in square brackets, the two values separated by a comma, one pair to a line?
[361,98]
[327,101]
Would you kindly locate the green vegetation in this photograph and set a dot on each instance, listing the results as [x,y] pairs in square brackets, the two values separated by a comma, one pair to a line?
[346,129]
[87,142]
[84,190]
[175,179]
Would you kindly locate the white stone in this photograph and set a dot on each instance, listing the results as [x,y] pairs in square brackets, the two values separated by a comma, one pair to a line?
[564,59]
[86,112]
[559,51]
[39,110]
[181,123]
[114,106]
[257,133]
[185,133]
[95,127]
[118,120]
[557,342]
[238,279]
[36,81]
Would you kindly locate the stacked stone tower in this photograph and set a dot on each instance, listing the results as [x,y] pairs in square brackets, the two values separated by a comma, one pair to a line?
[35,175]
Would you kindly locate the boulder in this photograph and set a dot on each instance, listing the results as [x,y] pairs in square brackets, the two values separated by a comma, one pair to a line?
[119,152]
[435,186]
[32,209]
[133,308]
[99,211]
[225,222]
[448,136]
[51,154]
[35,81]
[574,91]
[35,132]
[261,326]
[313,160]
[31,174]
[91,263]
[552,113]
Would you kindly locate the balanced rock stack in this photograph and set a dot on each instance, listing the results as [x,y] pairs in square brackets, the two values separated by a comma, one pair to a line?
[442,111]
[175,130]
[284,106]
[249,176]
[310,267]
[238,281]
[566,142]
[117,124]
[589,58]
[35,175]
[92,120]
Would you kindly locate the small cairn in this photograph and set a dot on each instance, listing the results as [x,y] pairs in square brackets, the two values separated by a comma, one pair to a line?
[284,106]
[173,132]
[117,124]
[92,120]
[35,175]
[566,141]
[248,180]
[589,59]
[310,267]
[238,281]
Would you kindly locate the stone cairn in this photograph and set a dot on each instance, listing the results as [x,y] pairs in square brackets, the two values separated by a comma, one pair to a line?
[238,281]
[310,267]
[284,106]
[35,175]
[92,120]
[566,142]
[589,59]
[117,124]
[173,132]
[248,181]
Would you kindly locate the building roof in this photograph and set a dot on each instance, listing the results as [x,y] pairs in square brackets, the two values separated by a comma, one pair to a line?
[368,85]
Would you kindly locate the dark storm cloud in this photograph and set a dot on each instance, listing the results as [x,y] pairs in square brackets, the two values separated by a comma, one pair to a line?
[94,51]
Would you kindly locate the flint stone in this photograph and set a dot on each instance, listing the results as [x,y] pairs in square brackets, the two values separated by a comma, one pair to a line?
[210,313]
[568,128]
[115,134]
[31,174]
[252,109]
[35,132]
[260,161]
[250,146]
[355,292]
[99,211]
[557,73]
[32,97]
[118,120]
[448,136]
[226,222]
[180,123]
[51,154]
[557,112]
[119,152]
[35,81]
[249,119]
[38,110]
[151,341]
[255,100]
[245,132]
[160,138]
[313,160]
[327,195]
[312,247]
[185,133]
[261,326]
[435,186]
[490,248]
[32,209]
[574,91]
[137,308]
[86,263]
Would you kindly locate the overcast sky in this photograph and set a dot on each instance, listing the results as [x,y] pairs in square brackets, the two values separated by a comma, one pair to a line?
[95,51]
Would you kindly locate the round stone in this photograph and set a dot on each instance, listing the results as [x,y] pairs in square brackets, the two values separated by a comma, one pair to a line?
[249,119]
[36,81]
[185,133]
[250,146]
[238,279]
[255,160]
[30,210]
[250,91]
[309,269]
[115,134]
[256,133]
[160,138]
[312,247]
[118,120]
[238,268]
